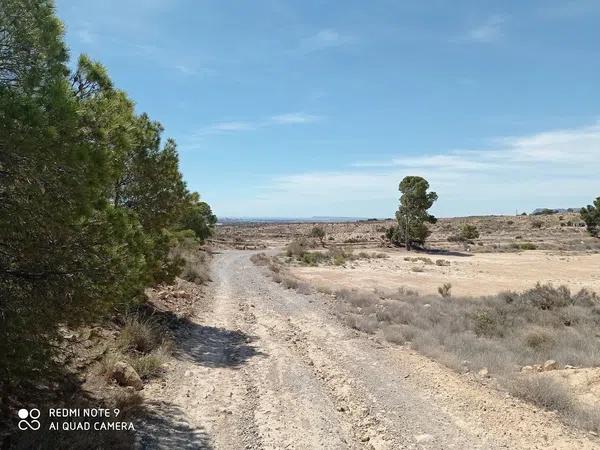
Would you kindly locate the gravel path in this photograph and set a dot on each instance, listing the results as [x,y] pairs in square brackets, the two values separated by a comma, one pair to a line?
[265,367]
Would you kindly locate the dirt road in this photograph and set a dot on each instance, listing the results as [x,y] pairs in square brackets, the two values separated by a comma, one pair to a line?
[265,367]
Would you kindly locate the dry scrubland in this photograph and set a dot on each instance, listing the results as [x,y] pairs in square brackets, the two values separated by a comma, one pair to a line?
[512,253]
[497,233]
[526,321]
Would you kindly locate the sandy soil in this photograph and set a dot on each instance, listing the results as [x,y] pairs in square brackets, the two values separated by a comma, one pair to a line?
[475,274]
[265,367]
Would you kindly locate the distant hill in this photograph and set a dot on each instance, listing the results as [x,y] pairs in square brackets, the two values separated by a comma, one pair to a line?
[542,211]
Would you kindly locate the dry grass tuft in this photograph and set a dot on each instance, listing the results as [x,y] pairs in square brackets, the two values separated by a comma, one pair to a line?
[140,334]
[501,333]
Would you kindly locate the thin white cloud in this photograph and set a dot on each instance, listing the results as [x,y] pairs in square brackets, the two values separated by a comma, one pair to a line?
[232,126]
[295,118]
[487,32]
[186,70]
[325,39]
[553,168]
[193,71]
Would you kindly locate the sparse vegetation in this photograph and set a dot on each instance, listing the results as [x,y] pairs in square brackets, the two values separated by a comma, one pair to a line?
[554,396]
[466,234]
[501,334]
[337,255]
[536,224]
[591,216]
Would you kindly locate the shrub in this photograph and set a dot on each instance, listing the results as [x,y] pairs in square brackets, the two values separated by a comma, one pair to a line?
[468,232]
[139,334]
[538,338]
[339,255]
[260,259]
[313,258]
[150,365]
[442,262]
[543,391]
[536,224]
[444,290]
[394,334]
[484,324]
[319,233]
[527,246]
[297,248]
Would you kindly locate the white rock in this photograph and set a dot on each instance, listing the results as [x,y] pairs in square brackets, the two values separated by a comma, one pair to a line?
[550,365]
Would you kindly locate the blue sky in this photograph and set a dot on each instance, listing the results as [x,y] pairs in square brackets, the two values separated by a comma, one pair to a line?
[302,108]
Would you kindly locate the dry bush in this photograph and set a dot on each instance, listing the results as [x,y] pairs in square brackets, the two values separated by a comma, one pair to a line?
[417,269]
[324,290]
[445,290]
[304,288]
[543,391]
[289,282]
[195,262]
[127,402]
[297,248]
[442,262]
[357,298]
[107,364]
[140,334]
[150,365]
[260,259]
[501,333]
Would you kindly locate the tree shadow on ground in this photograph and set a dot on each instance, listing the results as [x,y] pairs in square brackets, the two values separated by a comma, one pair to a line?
[157,425]
[442,252]
[215,347]
[207,346]
[163,426]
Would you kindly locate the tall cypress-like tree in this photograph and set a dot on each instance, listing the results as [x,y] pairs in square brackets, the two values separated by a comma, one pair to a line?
[412,215]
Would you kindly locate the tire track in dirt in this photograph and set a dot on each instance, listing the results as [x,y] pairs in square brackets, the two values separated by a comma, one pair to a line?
[266,367]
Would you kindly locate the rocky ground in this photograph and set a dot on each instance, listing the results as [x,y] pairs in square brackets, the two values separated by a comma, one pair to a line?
[261,366]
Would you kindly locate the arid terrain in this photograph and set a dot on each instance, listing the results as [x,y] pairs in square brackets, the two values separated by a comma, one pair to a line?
[284,354]
[498,260]
[261,366]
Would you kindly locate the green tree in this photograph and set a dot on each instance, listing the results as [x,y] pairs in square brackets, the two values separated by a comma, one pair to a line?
[66,255]
[319,233]
[412,214]
[88,194]
[198,217]
[591,216]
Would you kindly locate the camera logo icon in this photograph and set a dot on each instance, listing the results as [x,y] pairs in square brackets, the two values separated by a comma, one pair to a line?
[29,419]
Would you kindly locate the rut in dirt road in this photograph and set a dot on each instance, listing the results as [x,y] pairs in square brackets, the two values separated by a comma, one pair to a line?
[266,367]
